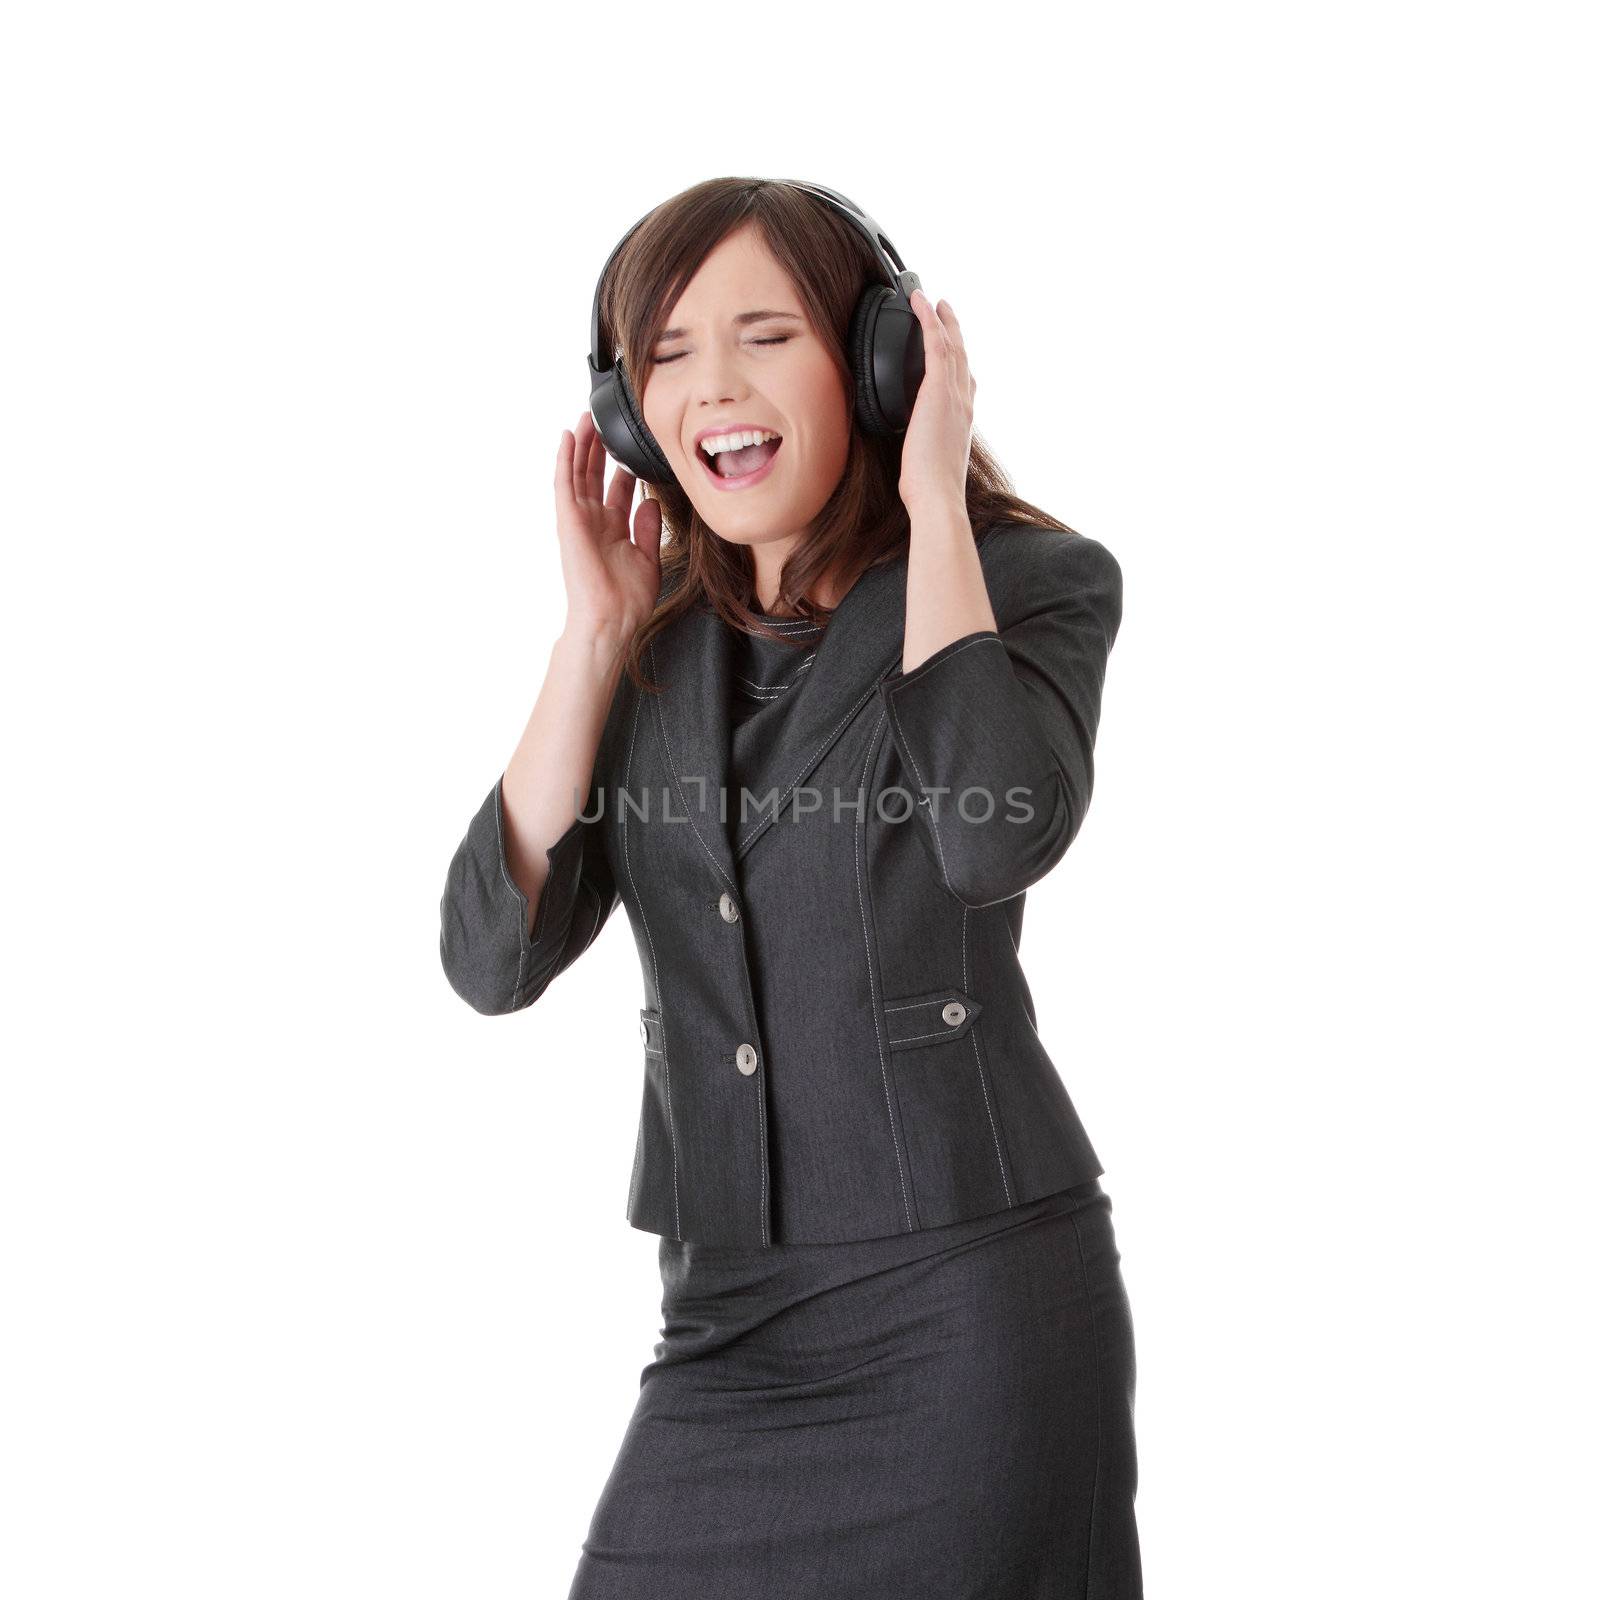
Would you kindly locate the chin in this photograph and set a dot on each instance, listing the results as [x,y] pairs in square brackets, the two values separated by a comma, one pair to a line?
[742,527]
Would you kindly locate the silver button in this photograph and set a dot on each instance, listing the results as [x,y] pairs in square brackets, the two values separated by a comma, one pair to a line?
[745,1055]
[955,1013]
[730,912]
[644,1030]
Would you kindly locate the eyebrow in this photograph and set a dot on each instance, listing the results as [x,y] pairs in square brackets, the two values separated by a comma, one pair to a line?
[742,320]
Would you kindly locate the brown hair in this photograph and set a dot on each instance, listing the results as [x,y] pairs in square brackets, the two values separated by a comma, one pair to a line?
[865,520]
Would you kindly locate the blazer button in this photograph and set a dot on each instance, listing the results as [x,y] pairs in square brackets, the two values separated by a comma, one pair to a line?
[730,912]
[955,1013]
[746,1057]
[644,1030]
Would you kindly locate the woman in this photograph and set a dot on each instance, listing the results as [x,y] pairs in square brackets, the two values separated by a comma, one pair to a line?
[897,1355]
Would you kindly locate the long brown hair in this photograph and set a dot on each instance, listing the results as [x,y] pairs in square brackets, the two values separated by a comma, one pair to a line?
[865,520]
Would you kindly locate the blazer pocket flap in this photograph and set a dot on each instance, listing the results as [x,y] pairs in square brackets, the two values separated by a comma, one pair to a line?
[917,1020]
[650,1032]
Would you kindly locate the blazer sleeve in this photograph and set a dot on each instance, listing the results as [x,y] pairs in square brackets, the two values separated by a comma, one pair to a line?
[1012,715]
[491,959]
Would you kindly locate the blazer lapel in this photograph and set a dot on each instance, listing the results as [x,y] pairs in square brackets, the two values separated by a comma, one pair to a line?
[862,644]
[693,661]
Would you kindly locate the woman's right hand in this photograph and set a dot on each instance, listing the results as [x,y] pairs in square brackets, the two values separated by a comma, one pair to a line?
[612,579]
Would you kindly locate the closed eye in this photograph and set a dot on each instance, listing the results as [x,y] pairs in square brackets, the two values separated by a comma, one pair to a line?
[782,338]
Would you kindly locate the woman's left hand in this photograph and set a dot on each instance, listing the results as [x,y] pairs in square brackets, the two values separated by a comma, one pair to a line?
[938,440]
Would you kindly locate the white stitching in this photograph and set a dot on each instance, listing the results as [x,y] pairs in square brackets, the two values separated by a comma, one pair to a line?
[596,928]
[672,1132]
[666,745]
[933,822]
[1000,899]
[909,677]
[983,1084]
[638,1151]
[944,866]
[993,1130]
[777,688]
[761,1088]
[866,940]
[894,686]
[772,816]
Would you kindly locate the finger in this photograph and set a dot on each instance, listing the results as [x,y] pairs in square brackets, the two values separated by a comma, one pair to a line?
[564,454]
[958,349]
[934,339]
[620,495]
[597,466]
[584,436]
[947,315]
[647,528]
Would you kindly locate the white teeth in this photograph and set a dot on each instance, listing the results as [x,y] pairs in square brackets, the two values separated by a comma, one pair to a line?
[736,441]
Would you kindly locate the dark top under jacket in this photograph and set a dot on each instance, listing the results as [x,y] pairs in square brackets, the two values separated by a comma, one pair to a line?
[838,1039]
[764,671]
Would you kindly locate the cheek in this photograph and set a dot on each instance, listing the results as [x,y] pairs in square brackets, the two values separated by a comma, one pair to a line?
[835,431]
[826,406]
[658,411]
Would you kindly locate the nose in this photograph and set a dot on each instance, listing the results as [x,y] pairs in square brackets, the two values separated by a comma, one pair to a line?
[717,380]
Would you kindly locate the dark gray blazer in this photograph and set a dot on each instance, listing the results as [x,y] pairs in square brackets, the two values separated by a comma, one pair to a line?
[838,1041]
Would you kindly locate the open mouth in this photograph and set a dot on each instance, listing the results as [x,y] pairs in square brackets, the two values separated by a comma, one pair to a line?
[736,469]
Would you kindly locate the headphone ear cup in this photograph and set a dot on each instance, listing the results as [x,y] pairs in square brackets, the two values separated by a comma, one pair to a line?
[858,341]
[660,468]
[622,429]
[886,356]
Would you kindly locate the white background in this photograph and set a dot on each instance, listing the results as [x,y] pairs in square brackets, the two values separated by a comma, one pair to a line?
[317,1283]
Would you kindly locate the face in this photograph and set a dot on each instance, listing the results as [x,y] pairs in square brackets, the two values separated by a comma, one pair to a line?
[711,371]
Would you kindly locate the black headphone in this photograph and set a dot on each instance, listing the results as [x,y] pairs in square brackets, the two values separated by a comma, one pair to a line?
[883,345]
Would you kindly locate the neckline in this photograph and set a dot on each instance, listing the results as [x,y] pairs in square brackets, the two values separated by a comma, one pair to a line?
[785,619]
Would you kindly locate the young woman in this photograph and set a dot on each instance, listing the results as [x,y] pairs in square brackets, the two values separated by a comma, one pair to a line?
[897,1356]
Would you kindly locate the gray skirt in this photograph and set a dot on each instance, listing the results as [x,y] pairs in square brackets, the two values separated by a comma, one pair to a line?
[944,1413]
